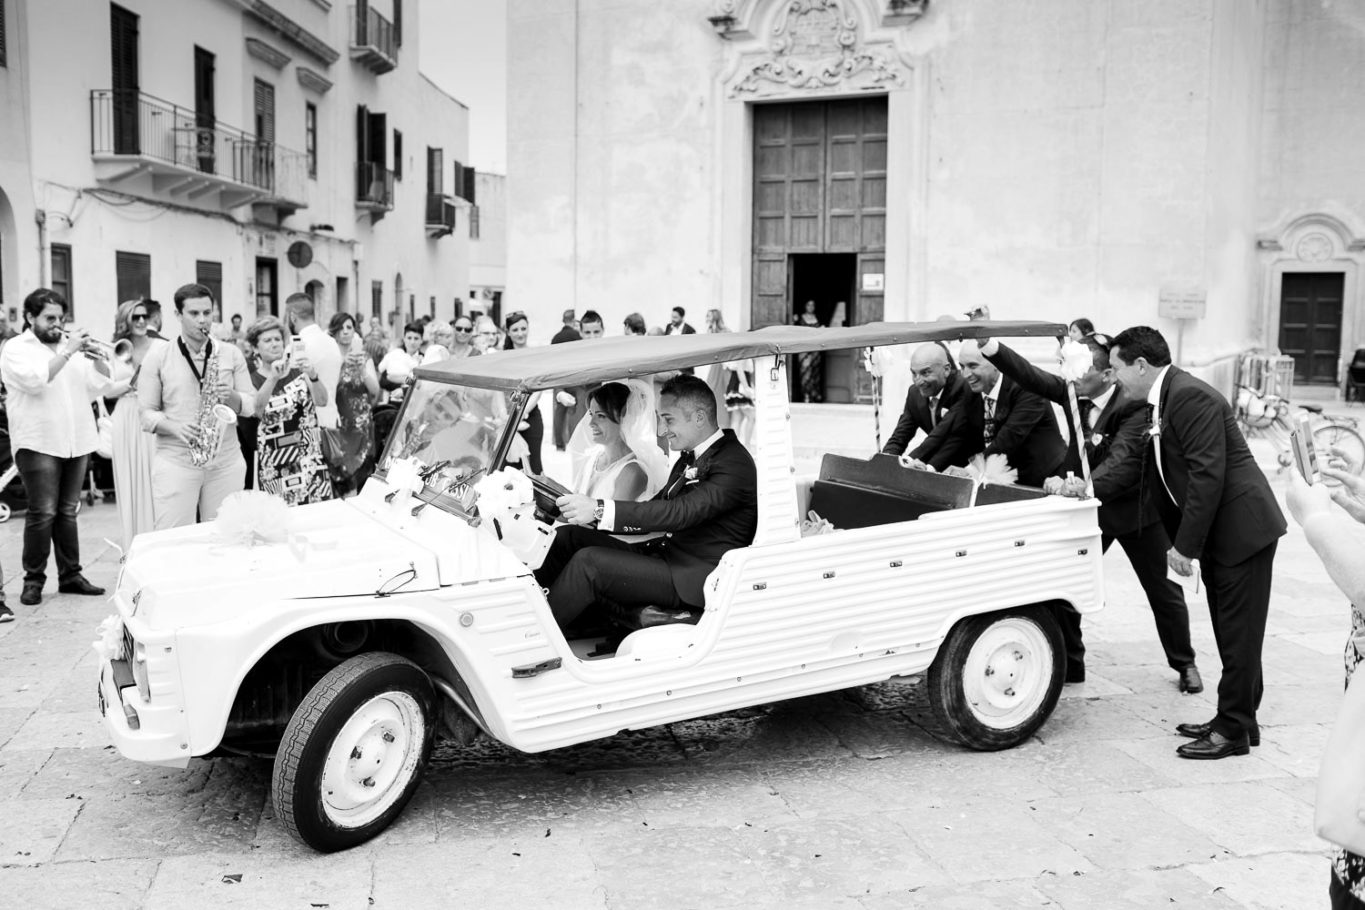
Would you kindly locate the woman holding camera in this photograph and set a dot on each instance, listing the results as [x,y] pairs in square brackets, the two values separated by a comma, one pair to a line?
[350,447]
[288,440]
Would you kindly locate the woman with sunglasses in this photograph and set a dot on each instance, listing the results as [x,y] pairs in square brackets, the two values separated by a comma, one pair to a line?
[133,450]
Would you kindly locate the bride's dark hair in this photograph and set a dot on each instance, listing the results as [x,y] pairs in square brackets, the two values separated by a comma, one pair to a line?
[612,396]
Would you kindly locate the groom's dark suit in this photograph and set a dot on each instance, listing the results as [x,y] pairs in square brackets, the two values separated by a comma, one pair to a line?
[1220,510]
[1114,438]
[705,510]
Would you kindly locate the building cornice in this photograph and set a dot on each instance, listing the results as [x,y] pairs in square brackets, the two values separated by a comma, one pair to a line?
[313,80]
[288,29]
[272,56]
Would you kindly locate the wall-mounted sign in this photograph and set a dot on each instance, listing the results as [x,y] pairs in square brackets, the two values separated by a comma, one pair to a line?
[1182,303]
[874,281]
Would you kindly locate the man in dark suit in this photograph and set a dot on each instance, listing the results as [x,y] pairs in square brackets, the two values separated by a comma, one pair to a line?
[1219,509]
[1112,437]
[937,387]
[1001,418]
[708,507]
[561,425]
[676,325]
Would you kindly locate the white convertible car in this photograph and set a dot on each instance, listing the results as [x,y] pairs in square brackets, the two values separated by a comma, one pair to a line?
[341,648]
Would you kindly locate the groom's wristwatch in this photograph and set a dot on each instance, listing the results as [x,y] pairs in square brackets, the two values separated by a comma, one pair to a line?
[597,511]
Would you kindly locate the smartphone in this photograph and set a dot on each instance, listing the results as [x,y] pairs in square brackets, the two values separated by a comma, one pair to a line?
[294,350]
[1305,454]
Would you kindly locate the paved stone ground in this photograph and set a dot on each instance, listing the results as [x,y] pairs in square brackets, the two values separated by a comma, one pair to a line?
[837,801]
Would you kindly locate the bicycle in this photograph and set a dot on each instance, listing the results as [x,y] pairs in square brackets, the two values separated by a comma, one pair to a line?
[1269,417]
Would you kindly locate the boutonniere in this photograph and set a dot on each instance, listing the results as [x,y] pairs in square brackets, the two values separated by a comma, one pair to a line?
[1096,438]
[690,473]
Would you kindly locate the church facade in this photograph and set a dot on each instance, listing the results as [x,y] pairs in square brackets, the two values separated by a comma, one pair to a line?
[1188,164]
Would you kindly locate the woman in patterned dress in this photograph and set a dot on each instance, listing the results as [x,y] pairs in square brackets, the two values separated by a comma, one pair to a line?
[1339,543]
[288,442]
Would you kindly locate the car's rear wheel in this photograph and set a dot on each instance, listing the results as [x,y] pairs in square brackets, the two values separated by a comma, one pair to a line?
[996,678]
[354,751]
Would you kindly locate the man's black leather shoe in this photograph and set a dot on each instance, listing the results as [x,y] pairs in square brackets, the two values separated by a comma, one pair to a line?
[77,584]
[1190,681]
[1216,745]
[32,593]
[1075,674]
[1199,731]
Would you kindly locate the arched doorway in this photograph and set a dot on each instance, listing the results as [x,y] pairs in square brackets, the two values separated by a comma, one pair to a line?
[9,257]
[317,292]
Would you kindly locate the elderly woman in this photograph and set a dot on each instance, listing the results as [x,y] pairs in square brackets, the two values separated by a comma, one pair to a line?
[133,450]
[350,446]
[288,443]
[440,338]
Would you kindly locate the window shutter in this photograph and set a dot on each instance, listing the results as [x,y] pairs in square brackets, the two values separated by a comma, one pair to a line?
[210,275]
[434,175]
[134,275]
[458,188]
[397,155]
[398,23]
[265,112]
[469,185]
[3,58]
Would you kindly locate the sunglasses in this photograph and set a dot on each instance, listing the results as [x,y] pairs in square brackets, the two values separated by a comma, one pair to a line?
[138,317]
[464,328]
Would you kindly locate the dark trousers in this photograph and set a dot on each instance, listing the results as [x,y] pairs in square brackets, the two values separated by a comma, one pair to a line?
[562,430]
[1239,600]
[586,567]
[54,495]
[1341,896]
[534,434]
[1146,551]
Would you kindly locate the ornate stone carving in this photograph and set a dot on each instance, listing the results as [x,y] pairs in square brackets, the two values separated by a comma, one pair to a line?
[1314,247]
[814,44]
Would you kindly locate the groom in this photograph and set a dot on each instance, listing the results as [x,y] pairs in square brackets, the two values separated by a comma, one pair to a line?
[707,507]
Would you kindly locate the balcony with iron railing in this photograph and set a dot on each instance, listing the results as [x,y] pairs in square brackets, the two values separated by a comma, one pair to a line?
[373,188]
[440,215]
[135,136]
[374,42]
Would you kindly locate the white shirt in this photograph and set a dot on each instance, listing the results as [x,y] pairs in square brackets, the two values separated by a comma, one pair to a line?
[608,521]
[398,364]
[50,416]
[1154,399]
[325,356]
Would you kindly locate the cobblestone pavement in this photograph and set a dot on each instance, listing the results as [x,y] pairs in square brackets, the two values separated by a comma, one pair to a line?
[837,801]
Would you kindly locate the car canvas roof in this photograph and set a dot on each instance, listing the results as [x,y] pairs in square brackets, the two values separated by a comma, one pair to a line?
[590,362]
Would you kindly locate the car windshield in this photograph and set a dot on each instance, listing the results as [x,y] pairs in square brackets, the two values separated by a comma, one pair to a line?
[453,426]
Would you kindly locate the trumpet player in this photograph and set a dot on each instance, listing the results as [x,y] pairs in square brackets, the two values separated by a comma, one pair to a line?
[52,431]
[179,389]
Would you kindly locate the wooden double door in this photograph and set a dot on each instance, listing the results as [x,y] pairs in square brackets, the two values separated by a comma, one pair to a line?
[819,188]
[1310,324]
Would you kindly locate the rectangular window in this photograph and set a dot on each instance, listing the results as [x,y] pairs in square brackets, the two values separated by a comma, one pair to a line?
[457,180]
[377,299]
[467,187]
[267,284]
[210,275]
[434,176]
[473,222]
[61,274]
[433,306]
[397,155]
[265,111]
[310,137]
[133,275]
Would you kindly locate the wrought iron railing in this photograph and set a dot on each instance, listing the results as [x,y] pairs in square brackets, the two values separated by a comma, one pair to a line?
[135,123]
[373,184]
[369,29]
[440,211]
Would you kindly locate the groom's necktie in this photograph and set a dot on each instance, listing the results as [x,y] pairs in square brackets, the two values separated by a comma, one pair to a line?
[685,461]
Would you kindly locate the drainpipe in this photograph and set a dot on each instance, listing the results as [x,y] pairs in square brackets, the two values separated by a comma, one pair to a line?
[44,250]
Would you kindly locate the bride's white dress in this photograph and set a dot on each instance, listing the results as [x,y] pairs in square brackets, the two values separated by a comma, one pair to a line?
[601,484]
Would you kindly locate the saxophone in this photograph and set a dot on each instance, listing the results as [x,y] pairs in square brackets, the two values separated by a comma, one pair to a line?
[212,419]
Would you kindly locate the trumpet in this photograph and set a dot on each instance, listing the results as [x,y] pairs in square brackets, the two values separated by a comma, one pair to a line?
[120,351]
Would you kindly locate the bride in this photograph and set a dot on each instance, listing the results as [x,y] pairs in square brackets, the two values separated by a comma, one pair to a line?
[614,451]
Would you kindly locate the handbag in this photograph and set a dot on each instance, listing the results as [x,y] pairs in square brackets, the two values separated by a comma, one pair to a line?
[104,429]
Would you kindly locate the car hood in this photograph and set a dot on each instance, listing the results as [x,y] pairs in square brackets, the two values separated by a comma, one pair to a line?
[332,549]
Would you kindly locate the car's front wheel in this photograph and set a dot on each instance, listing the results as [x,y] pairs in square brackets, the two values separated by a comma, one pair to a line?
[996,678]
[354,750]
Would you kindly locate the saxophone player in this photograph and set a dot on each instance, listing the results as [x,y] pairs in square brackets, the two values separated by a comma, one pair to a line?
[180,389]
